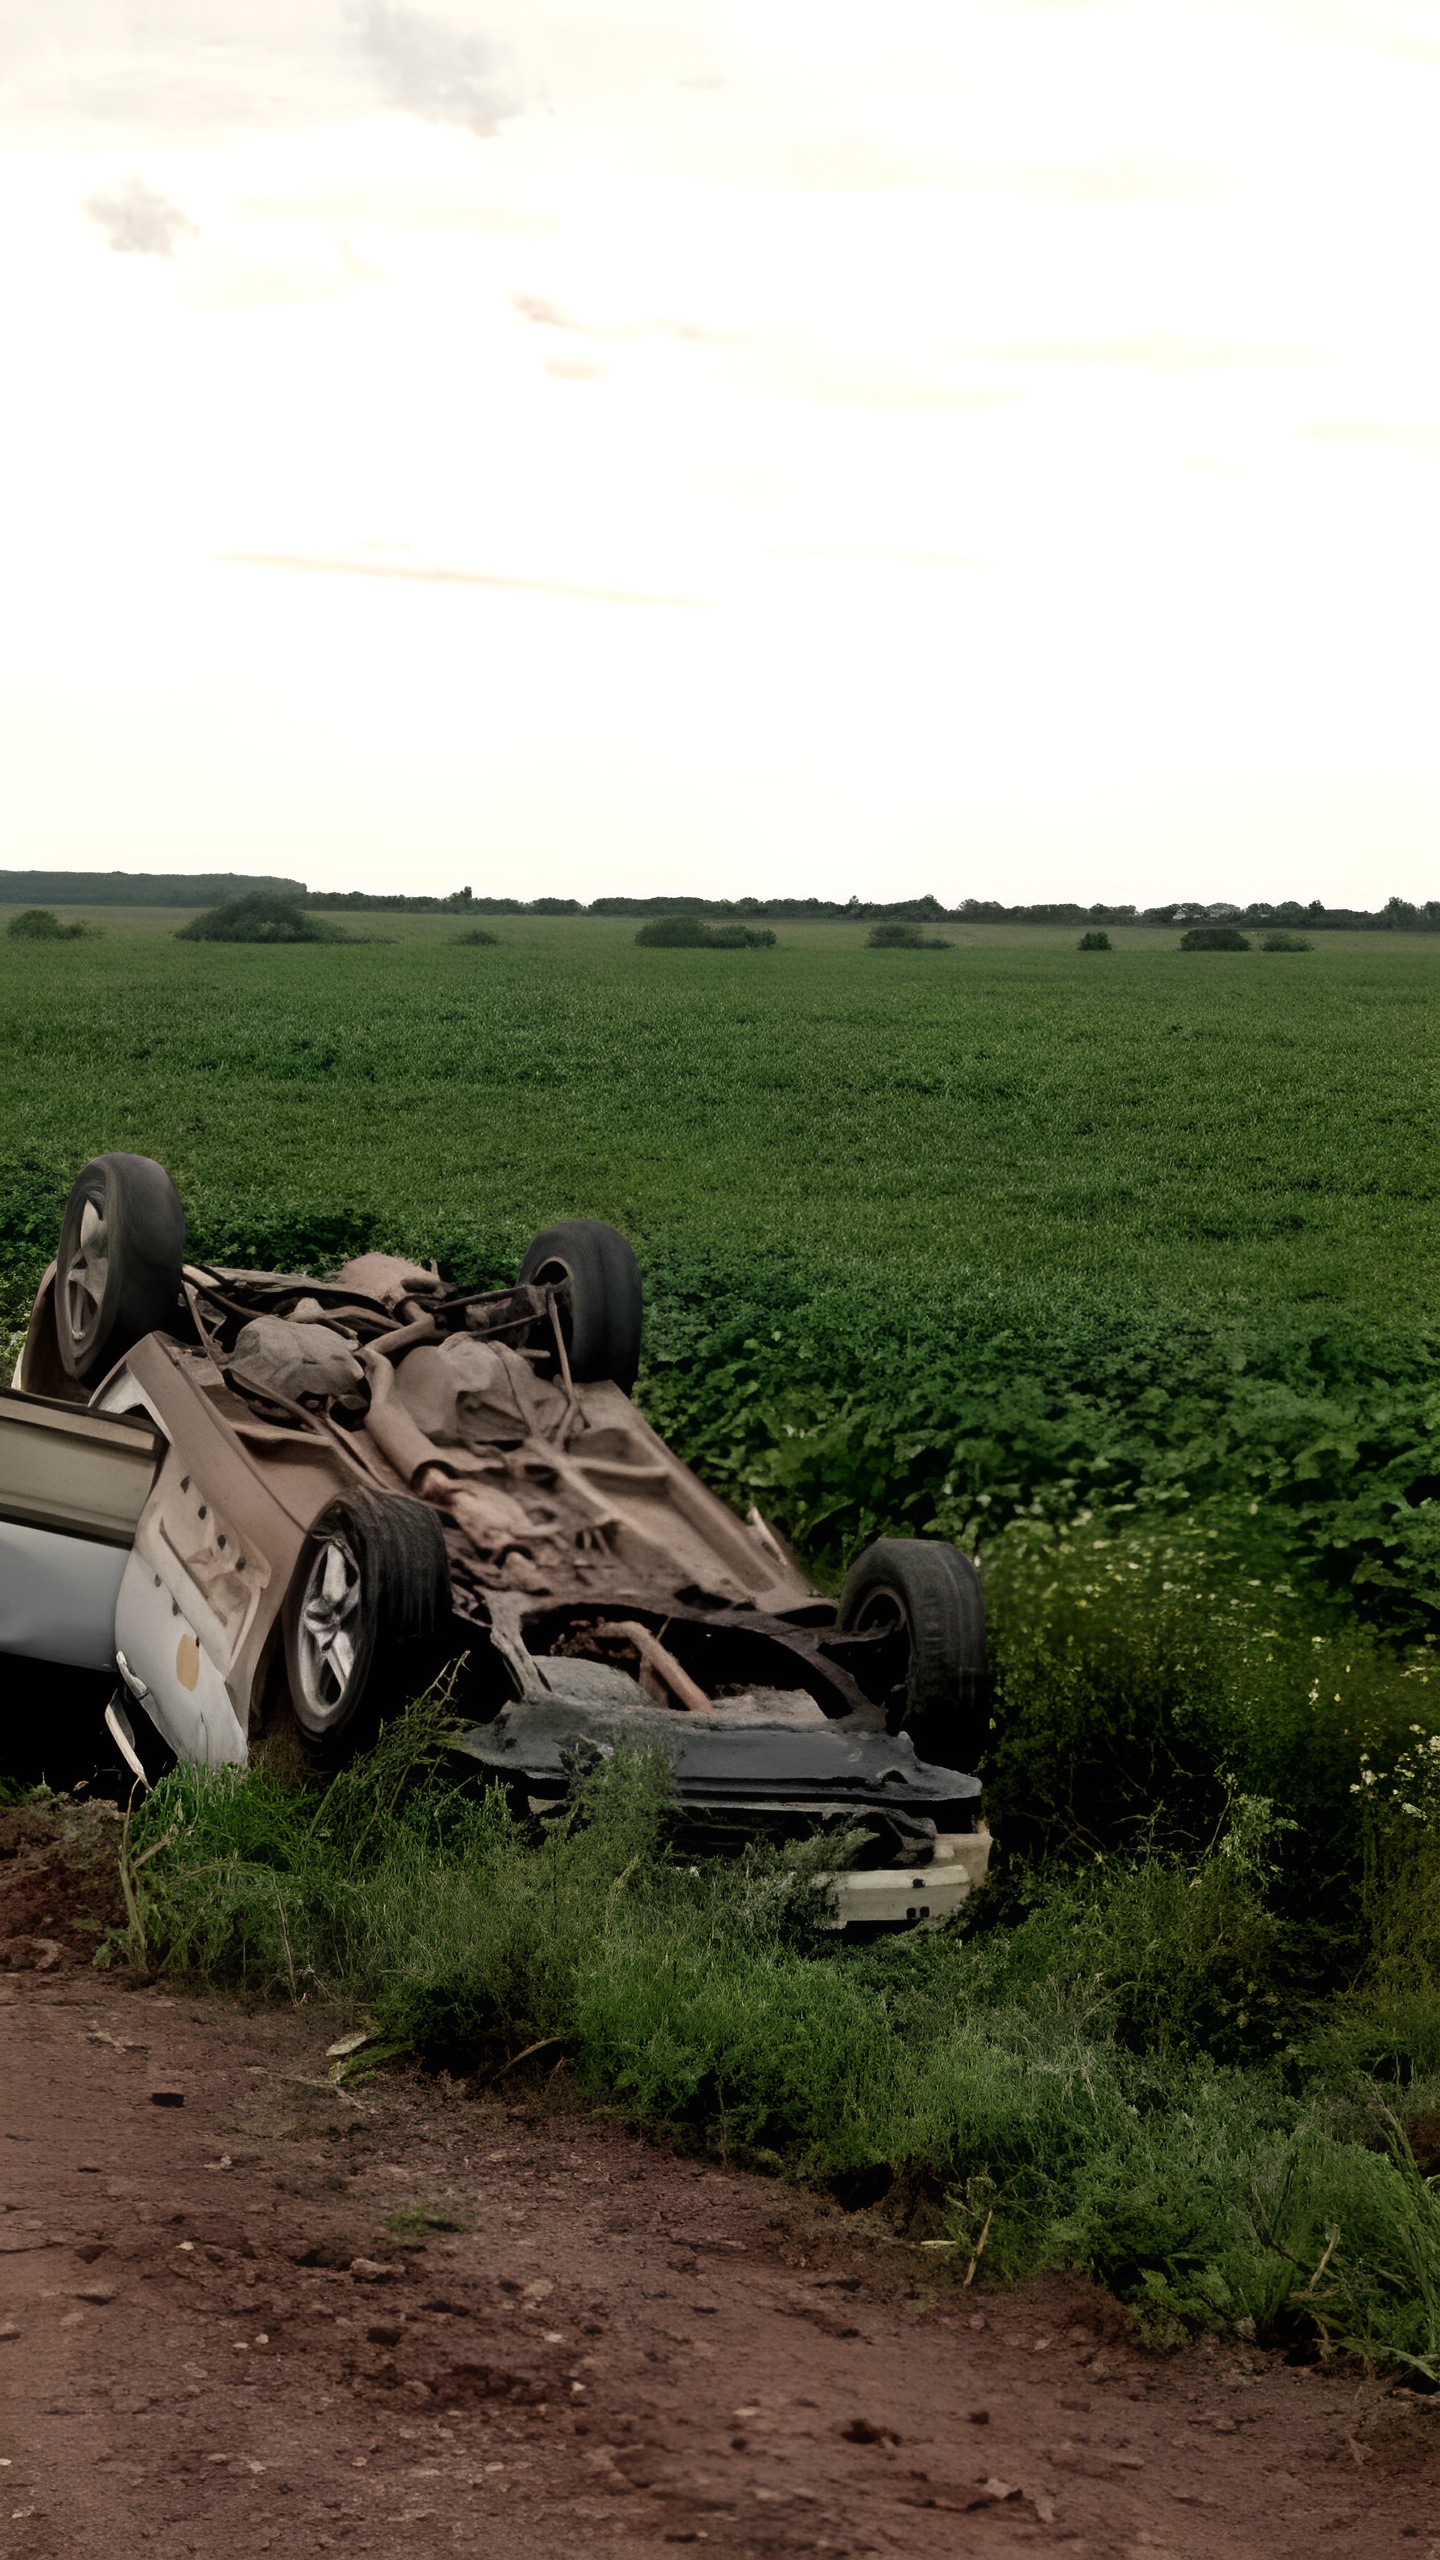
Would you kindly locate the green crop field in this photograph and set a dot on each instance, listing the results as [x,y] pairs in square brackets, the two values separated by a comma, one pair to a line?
[924,1232]
[1233,1129]
[1120,1267]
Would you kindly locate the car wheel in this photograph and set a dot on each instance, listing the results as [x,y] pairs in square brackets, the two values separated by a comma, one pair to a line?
[926,1597]
[366,1617]
[122,1251]
[602,1329]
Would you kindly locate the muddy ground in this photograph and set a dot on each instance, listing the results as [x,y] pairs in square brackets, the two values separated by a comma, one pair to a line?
[244,2310]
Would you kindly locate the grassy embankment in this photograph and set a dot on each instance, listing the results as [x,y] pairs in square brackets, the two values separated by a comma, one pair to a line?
[985,1241]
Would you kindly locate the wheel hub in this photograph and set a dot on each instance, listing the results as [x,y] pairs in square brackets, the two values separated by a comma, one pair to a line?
[85,1276]
[329,1632]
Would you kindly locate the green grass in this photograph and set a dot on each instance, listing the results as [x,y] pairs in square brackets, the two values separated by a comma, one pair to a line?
[925,1236]
[1181,2045]
[1071,2089]
[1188,1126]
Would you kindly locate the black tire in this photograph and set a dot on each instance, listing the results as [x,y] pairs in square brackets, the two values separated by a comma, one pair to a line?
[603,1327]
[929,1595]
[122,1251]
[366,1618]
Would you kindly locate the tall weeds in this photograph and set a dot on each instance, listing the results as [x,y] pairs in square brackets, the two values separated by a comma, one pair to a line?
[1121,2073]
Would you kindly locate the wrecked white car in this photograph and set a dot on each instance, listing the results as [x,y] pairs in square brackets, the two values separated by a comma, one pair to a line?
[258,1497]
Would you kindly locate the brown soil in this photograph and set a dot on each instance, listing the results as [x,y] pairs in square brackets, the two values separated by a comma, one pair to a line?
[60,1891]
[270,2315]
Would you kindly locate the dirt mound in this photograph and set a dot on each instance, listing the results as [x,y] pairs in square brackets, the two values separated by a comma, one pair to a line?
[60,1892]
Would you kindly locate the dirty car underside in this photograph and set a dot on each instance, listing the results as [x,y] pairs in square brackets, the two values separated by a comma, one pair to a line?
[409,1471]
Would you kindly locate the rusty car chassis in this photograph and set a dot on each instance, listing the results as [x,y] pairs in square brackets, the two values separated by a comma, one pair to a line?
[273,1503]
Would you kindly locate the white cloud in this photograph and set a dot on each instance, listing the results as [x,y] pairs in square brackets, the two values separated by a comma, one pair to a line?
[1407,28]
[1079,294]
[436,70]
[1158,349]
[134,218]
[1362,435]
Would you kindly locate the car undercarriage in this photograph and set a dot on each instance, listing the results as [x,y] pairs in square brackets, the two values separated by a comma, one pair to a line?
[308,1496]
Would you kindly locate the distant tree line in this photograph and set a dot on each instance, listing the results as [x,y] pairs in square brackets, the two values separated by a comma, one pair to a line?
[212,888]
[1397,915]
[141,888]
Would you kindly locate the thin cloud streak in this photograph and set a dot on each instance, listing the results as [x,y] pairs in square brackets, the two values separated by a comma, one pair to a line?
[1158,349]
[1109,181]
[548,315]
[854,551]
[1363,433]
[448,578]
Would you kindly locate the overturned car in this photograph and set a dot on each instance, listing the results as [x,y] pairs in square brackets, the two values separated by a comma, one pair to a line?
[260,1497]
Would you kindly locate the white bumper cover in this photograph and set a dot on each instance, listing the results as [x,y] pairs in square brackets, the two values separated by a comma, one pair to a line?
[915,1896]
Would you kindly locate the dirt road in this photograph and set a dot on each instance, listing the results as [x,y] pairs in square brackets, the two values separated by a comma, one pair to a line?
[274,2317]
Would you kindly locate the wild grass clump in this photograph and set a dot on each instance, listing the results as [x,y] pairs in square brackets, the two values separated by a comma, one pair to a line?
[1161,1690]
[1116,2070]
[1094,942]
[1284,942]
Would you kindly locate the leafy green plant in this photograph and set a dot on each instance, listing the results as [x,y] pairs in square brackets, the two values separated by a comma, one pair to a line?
[418,2221]
[1214,937]
[1094,942]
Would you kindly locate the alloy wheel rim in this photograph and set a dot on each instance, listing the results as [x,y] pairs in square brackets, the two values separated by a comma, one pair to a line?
[86,1275]
[329,1632]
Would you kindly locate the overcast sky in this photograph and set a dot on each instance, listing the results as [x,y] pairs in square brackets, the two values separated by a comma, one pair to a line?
[988,446]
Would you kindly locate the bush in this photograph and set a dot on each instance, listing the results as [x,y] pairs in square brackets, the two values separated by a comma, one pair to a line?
[1213,937]
[691,933]
[37,924]
[1094,942]
[262,915]
[904,937]
[674,933]
[1284,942]
[476,934]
